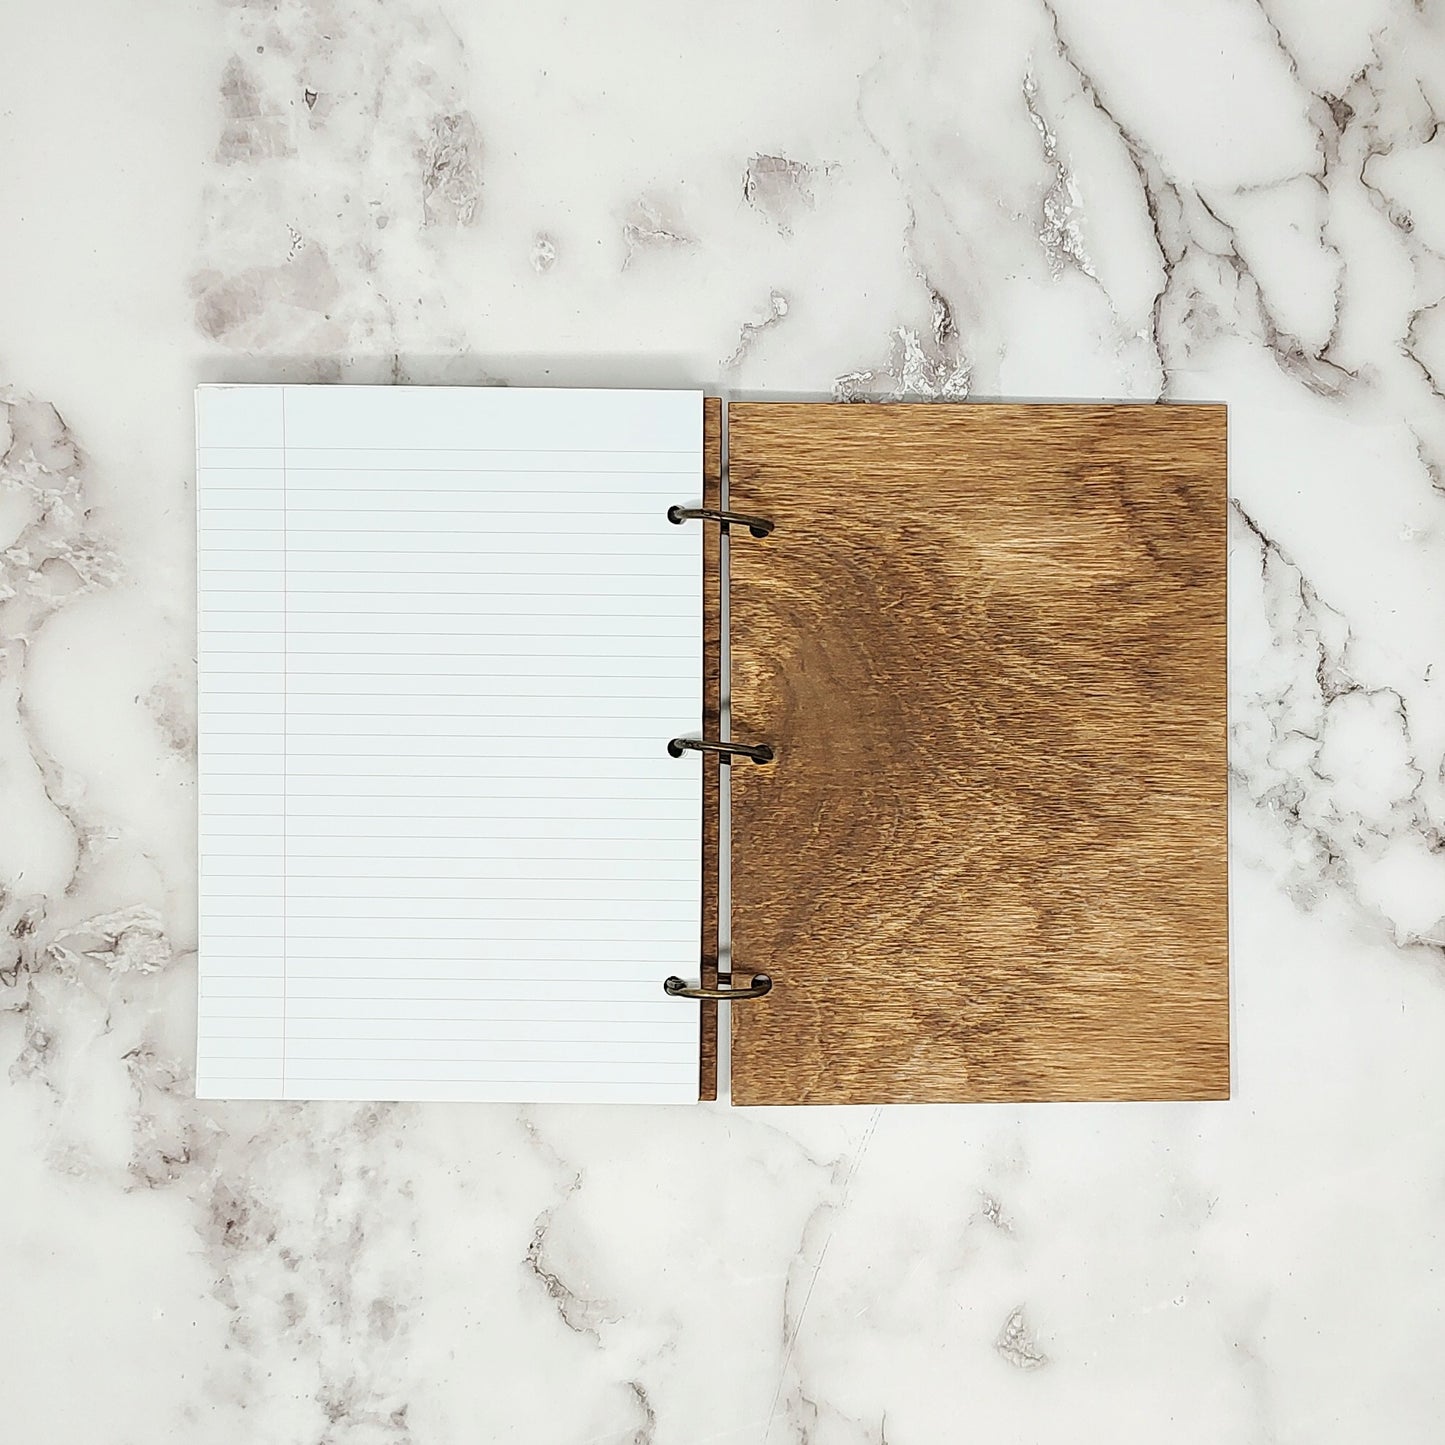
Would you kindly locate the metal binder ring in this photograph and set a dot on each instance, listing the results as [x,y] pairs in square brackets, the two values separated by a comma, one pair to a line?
[759,753]
[758,526]
[675,987]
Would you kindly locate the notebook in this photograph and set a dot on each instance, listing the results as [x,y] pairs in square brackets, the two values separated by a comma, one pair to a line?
[463,757]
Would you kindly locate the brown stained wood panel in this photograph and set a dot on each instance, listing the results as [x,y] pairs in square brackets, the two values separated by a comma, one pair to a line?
[711,722]
[989,861]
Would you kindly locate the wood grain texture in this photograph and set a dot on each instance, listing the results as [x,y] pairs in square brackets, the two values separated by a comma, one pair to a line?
[711,723]
[989,861]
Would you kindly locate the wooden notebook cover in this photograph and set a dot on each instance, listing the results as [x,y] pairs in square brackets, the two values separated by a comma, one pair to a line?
[988,645]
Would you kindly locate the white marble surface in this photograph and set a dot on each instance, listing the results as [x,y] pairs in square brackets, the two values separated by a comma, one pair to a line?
[1213,198]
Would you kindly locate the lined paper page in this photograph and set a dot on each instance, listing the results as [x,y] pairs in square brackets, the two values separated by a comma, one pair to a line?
[445,635]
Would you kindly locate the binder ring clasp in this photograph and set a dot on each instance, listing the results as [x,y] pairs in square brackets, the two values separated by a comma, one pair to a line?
[759,753]
[675,987]
[758,526]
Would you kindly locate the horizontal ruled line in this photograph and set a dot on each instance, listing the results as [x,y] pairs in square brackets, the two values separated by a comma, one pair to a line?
[609,981]
[290,531]
[639,1041]
[425,898]
[425,568]
[490,451]
[350,470]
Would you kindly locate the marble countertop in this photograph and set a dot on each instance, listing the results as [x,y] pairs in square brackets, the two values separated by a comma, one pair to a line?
[1216,199]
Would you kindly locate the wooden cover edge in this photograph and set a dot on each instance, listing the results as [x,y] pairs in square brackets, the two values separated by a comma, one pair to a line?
[711,723]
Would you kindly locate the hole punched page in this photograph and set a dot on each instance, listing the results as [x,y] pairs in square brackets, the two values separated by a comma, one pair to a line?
[444,637]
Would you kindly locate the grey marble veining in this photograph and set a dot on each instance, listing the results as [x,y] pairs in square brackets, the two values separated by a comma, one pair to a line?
[1221,199]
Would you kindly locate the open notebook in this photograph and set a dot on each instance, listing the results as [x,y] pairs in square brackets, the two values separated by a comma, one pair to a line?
[460,651]
[445,636]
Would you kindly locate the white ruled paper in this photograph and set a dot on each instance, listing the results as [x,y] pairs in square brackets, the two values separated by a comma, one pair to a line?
[445,636]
